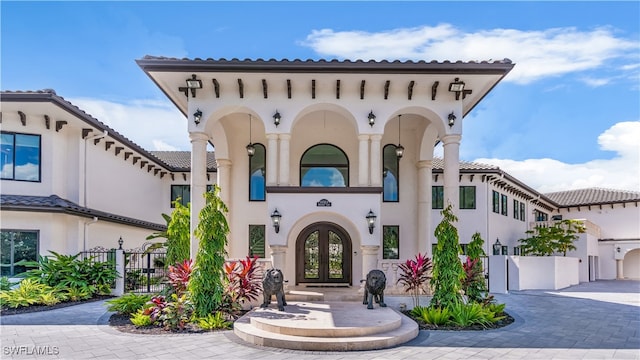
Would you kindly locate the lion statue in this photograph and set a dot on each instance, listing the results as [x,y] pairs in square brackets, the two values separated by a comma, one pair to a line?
[273,284]
[374,288]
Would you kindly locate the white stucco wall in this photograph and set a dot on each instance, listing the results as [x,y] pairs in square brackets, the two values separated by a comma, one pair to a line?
[542,272]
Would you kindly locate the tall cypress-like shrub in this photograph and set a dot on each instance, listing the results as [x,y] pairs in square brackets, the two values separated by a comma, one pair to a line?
[206,286]
[473,285]
[177,234]
[447,272]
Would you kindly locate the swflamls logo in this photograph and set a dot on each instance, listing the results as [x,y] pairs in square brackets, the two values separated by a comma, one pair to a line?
[31,350]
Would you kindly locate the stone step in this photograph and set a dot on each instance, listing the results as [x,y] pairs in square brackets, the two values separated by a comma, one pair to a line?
[326,326]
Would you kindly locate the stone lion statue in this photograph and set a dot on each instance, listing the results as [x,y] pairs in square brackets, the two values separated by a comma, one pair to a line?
[374,287]
[273,284]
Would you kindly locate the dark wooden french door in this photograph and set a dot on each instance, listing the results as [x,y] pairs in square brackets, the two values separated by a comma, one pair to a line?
[323,255]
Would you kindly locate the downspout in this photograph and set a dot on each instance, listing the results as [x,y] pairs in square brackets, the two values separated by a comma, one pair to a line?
[86,232]
[84,187]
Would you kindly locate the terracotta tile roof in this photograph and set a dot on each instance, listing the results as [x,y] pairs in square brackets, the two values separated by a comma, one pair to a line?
[593,196]
[55,203]
[182,159]
[438,165]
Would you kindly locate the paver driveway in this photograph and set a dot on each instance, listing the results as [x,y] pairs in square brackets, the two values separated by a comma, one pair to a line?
[599,320]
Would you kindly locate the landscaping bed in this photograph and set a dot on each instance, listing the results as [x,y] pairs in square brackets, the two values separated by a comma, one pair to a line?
[508,319]
[37,308]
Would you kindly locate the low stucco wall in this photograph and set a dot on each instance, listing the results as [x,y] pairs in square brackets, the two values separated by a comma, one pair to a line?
[542,272]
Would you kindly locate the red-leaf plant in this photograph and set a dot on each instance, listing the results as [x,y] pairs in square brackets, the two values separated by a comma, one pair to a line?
[415,275]
[473,282]
[244,283]
[155,307]
[179,276]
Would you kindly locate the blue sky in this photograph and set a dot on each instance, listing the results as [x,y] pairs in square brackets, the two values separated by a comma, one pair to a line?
[567,116]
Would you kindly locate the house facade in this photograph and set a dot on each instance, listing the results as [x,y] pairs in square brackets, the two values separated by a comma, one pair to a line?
[327,169]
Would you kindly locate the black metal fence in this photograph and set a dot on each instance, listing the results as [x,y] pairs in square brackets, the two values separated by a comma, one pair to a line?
[145,272]
[107,257]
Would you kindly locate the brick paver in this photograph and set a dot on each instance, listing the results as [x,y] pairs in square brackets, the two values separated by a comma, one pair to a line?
[598,320]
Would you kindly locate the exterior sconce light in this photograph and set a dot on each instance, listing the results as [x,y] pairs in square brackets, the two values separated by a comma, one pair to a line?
[618,249]
[250,148]
[497,247]
[275,219]
[120,242]
[371,220]
[197,116]
[399,148]
[372,118]
[276,118]
[452,119]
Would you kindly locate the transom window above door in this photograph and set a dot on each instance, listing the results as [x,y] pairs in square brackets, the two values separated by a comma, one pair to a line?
[324,165]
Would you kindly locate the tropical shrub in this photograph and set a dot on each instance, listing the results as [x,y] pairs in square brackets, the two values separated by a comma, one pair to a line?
[414,276]
[139,319]
[154,307]
[128,303]
[5,283]
[177,234]
[447,273]
[29,292]
[206,285]
[213,322]
[556,238]
[177,312]
[179,276]
[432,315]
[468,314]
[243,283]
[473,283]
[79,293]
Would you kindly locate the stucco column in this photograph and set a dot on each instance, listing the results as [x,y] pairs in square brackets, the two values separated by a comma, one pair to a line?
[278,257]
[376,172]
[424,206]
[363,160]
[284,159]
[198,183]
[452,170]
[272,159]
[619,269]
[224,180]
[369,258]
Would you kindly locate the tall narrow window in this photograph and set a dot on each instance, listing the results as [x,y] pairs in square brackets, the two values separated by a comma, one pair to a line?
[467,197]
[522,211]
[324,165]
[257,170]
[256,241]
[391,242]
[437,197]
[503,204]
[20,158]
[516,209]
[496,202]
[17,245]
[182,192]
[390,173]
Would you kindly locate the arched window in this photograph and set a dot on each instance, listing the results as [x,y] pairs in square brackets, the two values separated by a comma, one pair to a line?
[256,174]
[324,165]
[390,179]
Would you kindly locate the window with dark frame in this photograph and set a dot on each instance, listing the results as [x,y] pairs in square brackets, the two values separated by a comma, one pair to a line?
[516,209]
[437,197]
[467,197]
[324,165]
[256,241]
[184,193]
[496,202]
[504,204]
[15,246]
[391,242]
[390,174]
[21,156]
[257,172]
[522,212]
[540,216]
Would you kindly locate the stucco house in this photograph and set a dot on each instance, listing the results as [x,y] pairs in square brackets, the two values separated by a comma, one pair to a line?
[327,167]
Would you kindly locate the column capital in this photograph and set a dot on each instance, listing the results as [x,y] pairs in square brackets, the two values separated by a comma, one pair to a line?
[451,139]
[272,136]
[278,249]
[222,163]
[198,136]
[376,137]
[285,136]
[424,164]
[363,137]
[370,249]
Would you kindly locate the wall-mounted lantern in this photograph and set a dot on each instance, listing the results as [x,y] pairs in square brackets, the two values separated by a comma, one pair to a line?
[371,221]
[275,219]
[497,247]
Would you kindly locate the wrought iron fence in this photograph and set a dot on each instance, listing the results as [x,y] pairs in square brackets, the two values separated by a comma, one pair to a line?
[145,272]
[105,256]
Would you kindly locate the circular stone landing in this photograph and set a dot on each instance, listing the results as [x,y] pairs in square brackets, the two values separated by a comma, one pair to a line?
[326,326]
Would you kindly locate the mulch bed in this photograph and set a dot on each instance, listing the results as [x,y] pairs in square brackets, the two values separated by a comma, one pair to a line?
[36,308]
[508,319]
[121,323]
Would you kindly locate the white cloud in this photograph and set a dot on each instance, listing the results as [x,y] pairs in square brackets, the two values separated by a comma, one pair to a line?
[538,54]
[620,172]
[152,124]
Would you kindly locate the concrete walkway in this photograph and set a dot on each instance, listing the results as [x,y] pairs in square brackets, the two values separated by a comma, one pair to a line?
[599,320]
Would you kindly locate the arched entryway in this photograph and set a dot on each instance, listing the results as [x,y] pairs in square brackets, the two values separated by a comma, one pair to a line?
[323,255]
